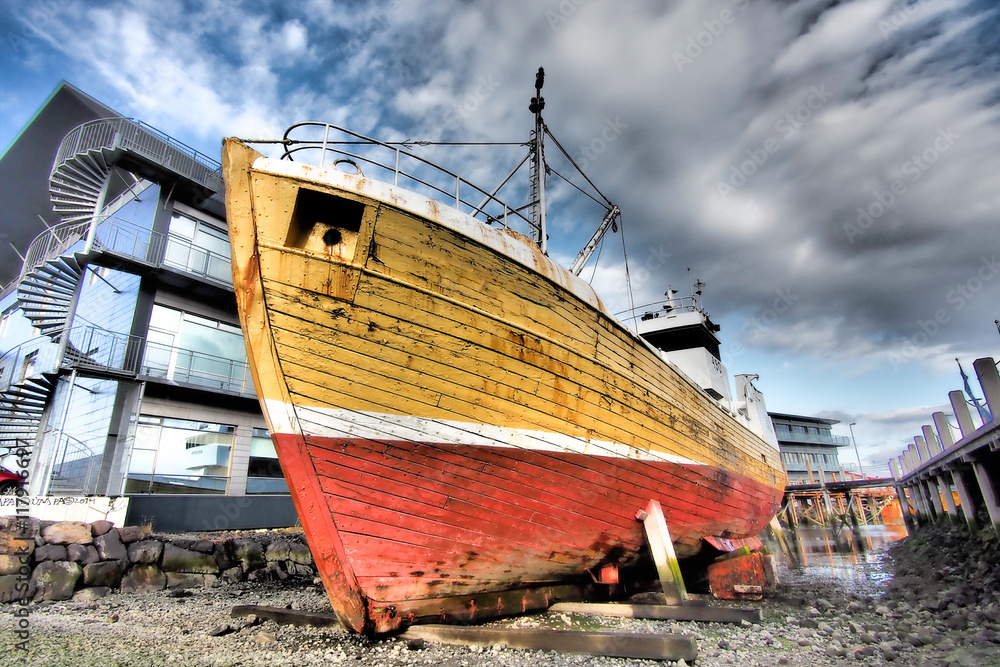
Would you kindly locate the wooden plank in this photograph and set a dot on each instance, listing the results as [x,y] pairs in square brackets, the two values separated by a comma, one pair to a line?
[662,549]
[286,616]
[686,612]
[597,643]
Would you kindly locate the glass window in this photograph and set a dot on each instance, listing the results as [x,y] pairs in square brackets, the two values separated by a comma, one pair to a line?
[188,348]
[197,247]
[180,456]
[264,472]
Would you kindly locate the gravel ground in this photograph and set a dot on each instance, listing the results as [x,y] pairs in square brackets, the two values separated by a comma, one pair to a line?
[942,607]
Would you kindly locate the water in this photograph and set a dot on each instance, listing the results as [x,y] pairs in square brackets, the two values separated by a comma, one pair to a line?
[853,560]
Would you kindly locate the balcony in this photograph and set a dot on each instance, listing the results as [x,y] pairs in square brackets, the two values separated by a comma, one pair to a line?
[107,352]
[786,434]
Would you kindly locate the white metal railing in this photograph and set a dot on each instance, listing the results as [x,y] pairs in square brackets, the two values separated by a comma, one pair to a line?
[165,362]
[401,167]
[30,359]
[96,349]
[184,255]
[672,306]
[114,234]
[144,140]
[76,467]
[785,433]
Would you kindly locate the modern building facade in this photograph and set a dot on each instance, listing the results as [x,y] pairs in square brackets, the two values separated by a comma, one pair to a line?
[808,447]
[123,368]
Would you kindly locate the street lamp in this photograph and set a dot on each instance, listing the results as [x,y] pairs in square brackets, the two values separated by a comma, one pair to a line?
[851,426]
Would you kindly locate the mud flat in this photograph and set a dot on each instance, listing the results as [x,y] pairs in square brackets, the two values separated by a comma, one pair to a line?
[938,603]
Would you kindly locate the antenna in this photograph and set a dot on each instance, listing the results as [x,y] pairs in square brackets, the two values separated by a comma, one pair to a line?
[538,163]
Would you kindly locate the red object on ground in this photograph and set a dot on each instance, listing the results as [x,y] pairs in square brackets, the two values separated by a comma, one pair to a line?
[743,578]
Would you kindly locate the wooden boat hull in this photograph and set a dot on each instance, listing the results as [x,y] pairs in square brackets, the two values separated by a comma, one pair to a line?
[464,429]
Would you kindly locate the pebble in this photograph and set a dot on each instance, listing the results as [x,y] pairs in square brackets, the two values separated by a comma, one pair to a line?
[152,628]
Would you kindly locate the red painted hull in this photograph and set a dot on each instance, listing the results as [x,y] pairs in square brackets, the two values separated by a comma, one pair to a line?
[422,522]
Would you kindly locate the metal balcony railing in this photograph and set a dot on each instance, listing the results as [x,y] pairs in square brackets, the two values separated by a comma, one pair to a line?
[122,238]
[76,467]
[98,350]
[175,364]
[182,254]
[787,435]
[143,140]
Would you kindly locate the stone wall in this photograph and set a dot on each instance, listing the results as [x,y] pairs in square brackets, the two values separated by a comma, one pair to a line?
[45,560]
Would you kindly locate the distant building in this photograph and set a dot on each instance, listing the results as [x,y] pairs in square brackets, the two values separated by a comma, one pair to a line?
[807,444]
[122,364]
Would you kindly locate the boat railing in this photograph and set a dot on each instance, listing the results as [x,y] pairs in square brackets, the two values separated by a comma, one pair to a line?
[338,145]
[663,308]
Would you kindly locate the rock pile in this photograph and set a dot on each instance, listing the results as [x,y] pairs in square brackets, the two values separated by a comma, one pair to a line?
[45,560]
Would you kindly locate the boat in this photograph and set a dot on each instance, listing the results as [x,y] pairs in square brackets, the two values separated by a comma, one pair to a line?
[467,432]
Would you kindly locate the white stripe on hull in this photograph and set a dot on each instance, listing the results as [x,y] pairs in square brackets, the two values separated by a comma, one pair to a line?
[340,423]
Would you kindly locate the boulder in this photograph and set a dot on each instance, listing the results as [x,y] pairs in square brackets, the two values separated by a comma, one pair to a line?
[146,551]
[50,552]
[90,594]
[176,559]
[129,534]
[13,564]
[110,547]
[16,587]
[176,580]
[142,578]
[100,527]
[249,553]
[68,532]
[224,555]
[105,573]
[300,554]
[16,545]
[84,554]
[55,580]
[232,575]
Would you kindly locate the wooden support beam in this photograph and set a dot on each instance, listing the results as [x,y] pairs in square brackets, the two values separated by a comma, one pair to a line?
[965,499]
[667,567]
[687,612]
[286,616]
[607,644]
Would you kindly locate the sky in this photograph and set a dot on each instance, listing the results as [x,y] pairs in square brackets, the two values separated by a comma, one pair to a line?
[829,170]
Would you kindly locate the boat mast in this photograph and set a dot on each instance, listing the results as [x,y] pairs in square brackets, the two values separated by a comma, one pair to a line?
[538,164]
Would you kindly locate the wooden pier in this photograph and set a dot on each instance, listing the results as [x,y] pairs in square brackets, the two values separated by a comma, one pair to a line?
[931,472]
[858,502]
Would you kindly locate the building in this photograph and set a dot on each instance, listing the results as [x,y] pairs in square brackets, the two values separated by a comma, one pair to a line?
[123,368]
[808,448]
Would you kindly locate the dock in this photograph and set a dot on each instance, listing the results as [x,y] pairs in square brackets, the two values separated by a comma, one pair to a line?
[930,473]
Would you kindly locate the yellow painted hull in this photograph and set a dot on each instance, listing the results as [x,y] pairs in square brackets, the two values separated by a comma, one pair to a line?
[441,388]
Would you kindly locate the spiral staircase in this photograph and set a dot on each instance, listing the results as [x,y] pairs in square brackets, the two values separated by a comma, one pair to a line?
[56,259]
